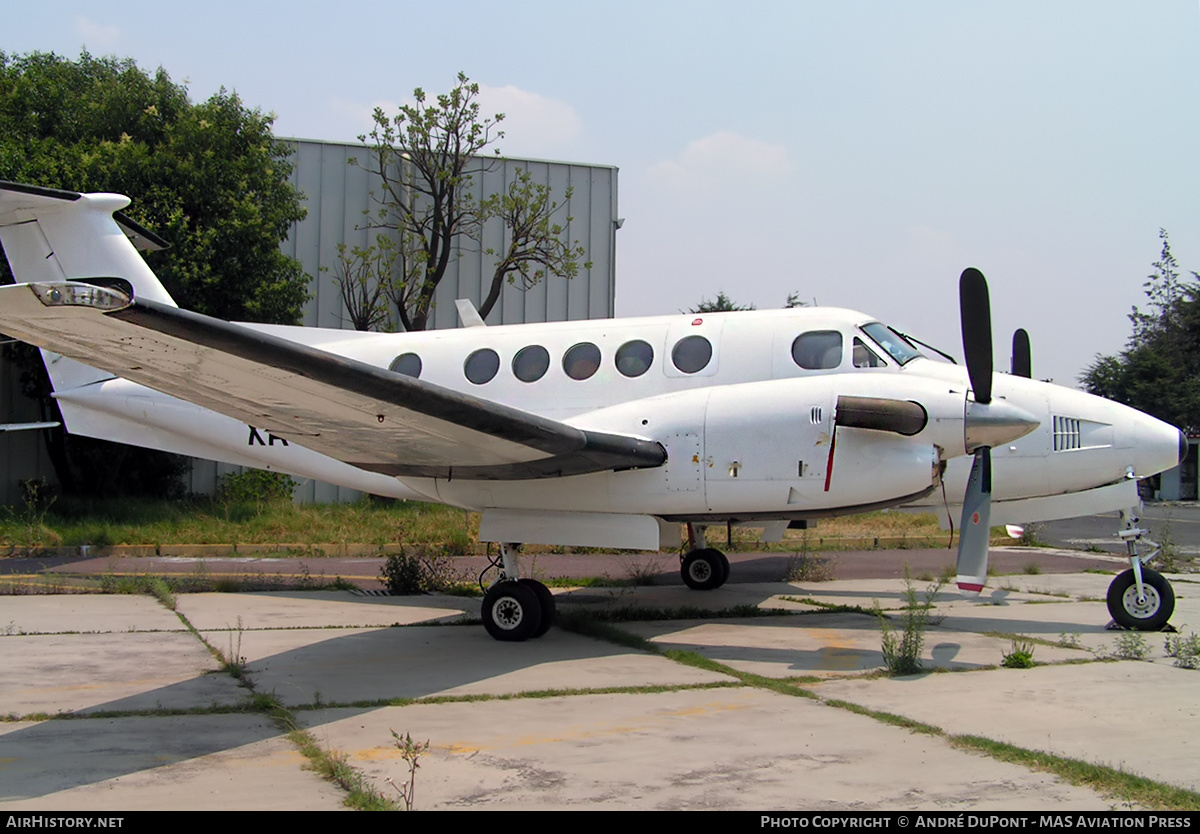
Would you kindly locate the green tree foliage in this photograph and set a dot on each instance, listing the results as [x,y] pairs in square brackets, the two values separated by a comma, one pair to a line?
[1159,370]
[724,304]
[721,304]
[425,158]
[210,178]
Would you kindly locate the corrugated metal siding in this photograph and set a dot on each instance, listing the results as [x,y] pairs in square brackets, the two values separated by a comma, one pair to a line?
[337,193]
[22,454]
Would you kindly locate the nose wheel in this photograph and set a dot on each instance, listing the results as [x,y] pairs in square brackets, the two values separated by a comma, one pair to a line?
[1147,611]
[1139,598]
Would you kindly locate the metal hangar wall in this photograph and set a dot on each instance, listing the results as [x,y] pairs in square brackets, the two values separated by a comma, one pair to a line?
[337,194]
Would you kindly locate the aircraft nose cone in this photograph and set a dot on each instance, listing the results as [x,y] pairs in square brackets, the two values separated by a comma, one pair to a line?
[995,423]
[1156,446]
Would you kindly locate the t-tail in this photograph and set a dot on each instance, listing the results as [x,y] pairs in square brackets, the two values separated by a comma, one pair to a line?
[52,236]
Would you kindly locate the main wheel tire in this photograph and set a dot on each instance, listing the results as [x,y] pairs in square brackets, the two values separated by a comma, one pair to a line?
[724,567]
[1149,615]
[545,602]
[703,570]
[511,612]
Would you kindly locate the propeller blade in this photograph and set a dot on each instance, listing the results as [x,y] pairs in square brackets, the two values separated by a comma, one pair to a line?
[1022,355]
[975,528]
[976,312]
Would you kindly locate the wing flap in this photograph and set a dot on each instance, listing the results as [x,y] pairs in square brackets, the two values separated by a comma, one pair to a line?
[355,412]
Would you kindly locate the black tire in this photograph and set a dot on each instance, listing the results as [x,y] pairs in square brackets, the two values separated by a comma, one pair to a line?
[545,602]
[724,567]
[511,612]
[1151,615]
[703,570]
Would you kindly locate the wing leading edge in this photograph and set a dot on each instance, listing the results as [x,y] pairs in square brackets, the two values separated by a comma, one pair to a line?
[357,413]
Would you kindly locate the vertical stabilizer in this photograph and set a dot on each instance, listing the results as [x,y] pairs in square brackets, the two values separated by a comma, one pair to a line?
[51,235]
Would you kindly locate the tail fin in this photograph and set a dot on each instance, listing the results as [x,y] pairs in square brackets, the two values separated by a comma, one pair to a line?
[51,235]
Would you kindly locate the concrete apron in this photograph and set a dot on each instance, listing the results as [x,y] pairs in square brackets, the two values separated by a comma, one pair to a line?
[614,728]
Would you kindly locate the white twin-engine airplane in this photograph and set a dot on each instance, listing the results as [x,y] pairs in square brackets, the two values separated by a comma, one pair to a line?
[605,433]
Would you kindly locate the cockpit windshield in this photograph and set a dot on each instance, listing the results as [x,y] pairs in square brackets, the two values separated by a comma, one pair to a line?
[896,345]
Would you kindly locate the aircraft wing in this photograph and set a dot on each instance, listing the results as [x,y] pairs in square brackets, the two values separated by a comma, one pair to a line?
[357,413]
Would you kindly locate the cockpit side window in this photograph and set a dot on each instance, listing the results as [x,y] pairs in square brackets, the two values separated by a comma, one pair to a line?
[896,345]
[864,357]
[818,350]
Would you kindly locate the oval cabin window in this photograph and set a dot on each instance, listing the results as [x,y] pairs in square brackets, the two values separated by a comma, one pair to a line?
[482,365]
[531,363]
[581,361]
[408,364]
[692,354]
[634,358]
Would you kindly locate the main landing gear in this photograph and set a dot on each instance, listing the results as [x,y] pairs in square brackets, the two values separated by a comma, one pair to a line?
[703,568]
[516,609]
[1139,598]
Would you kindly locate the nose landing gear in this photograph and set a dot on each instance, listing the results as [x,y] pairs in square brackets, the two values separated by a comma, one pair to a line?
[1139,599]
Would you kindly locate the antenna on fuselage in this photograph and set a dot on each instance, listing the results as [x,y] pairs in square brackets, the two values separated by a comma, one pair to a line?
[468,315]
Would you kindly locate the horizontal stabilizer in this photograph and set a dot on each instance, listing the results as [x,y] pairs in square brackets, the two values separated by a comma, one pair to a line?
[28,426]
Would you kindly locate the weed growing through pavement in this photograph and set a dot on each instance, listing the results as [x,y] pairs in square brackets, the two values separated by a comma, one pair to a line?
[640,574]
[1070,641]
[233,661]
[405,574]
[902,648]
[806,567]
[1185,650]
[401,574]
[1168,559]
[1031,536]
[1021,656]
[1131,645]
[411,751]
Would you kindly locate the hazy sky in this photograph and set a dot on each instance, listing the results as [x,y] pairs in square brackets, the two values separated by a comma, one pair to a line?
[858,153]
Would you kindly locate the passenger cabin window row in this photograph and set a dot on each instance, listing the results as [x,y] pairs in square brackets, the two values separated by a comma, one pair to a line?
[814,351]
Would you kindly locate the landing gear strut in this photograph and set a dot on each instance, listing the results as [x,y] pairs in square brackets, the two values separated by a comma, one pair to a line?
[516,609]
[703,568]
[1139,598]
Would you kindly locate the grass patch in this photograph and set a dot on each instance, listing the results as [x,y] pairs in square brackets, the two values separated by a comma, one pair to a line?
[886,717]
[236,518]
[638,613]
[829,607]
[1115,784]
[1064,641]
[1020,656]
[201,520]
[585,623]
[334,766]
[1128,787]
